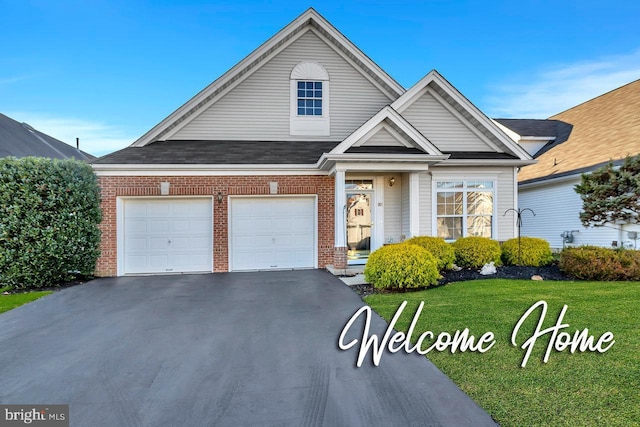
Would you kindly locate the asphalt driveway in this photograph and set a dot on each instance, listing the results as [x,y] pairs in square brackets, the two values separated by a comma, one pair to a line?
[219,349]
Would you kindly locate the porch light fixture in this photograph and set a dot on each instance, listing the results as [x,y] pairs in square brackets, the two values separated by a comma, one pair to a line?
[392,181]
[219,197]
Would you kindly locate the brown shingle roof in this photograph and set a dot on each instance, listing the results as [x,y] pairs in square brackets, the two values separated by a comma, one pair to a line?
[605,128]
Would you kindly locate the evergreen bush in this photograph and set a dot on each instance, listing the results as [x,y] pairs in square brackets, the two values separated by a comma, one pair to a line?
[401,266]
[49,216]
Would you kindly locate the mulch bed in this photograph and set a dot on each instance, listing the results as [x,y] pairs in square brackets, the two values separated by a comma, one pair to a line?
[550,272]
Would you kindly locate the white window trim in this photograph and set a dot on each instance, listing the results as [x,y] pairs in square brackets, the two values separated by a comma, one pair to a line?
[434,202]
[309,125]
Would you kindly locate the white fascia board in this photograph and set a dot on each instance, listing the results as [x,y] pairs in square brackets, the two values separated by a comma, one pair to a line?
[537,138]
[487,162]
[204,170]
[378,167]
[356,52]
[550,181]
[378,162]
[256,55]
[433,76]
[387,113]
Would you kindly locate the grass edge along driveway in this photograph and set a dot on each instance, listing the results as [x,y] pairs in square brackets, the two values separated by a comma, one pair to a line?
[11,301]
[587,388]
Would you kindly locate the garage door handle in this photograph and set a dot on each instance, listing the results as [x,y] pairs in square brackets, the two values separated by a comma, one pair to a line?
[169,241]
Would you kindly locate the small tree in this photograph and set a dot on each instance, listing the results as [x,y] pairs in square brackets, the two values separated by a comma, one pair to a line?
[611,194]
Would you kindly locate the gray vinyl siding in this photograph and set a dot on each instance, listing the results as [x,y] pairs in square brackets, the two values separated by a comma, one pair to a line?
[383,138]
[441,127]
[392,209]
[258,108]
[557,208]
[506,200]
[406,213]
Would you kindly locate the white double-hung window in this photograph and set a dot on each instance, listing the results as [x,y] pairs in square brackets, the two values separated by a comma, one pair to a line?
[309,83]
[464,208]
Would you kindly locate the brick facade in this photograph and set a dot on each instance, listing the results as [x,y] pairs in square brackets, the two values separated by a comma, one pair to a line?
[149,186]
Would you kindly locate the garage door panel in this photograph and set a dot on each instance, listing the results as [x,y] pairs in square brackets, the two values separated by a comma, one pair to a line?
[200,243]
[158,226]
[173,235]
[198,226]
[179,226]
[272,233]
[261,241]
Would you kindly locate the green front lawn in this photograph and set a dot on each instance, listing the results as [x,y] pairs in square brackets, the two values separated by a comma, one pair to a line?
[8,302]
[570,389]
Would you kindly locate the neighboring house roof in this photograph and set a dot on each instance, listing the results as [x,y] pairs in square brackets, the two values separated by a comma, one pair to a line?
[21,140]
[604,129]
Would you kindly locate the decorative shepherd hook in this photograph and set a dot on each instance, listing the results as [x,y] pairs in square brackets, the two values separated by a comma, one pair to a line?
[519,213]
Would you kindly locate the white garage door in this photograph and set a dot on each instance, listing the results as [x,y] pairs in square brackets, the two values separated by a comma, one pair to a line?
[272,233]
[167,235]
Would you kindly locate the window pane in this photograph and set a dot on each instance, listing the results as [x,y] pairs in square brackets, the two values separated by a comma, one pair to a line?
[358,184]
[479,203]
[309,85]
[317,94]
[449,203]
[317,111]
[318,85]
[300,102]
[300,85]
[449,184]
[301,111]
[309,103]
[317,103]
[450,228]
[308,111]
[479,226]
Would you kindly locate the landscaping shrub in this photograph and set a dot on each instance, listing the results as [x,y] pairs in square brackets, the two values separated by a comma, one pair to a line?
[533,252]
[401,266]
[596,263]
[476,251]
[49,216]
[442,251]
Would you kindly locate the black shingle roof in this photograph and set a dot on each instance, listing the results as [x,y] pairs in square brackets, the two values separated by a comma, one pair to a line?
[537,127]
[21,140]
[221,152]
[385,150]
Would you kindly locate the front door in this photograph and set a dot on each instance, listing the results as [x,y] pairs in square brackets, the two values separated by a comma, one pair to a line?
[359,220]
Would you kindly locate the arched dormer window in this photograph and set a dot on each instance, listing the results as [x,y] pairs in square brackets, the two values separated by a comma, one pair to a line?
[309,100]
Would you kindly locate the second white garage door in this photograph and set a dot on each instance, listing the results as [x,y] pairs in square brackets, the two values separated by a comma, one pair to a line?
[272,233]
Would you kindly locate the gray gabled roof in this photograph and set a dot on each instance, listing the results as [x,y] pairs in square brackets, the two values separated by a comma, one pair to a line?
[535,127]
[21,140]
[220,152]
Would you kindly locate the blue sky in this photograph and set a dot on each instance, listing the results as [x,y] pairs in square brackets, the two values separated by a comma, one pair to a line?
[108,71]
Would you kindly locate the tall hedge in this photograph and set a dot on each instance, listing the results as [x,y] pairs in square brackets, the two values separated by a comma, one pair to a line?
[49,216]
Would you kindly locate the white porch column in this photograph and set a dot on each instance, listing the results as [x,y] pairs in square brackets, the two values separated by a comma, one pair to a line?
[414,204]
[340,228]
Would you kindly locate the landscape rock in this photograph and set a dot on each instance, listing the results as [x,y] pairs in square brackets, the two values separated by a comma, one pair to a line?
[488,269]
[537,277]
